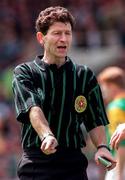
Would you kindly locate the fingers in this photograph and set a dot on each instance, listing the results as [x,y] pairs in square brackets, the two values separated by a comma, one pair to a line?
[47,152]
[108,164]
[118,136]
[114,141]
[112,166]
[49,145]
[103,156]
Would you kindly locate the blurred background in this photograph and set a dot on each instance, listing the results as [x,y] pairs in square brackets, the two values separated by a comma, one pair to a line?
[98,41]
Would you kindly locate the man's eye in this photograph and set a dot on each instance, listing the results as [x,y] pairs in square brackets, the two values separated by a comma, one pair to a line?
[68,33]
[57,33]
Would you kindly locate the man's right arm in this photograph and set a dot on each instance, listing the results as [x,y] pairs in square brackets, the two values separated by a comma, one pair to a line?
[41,126]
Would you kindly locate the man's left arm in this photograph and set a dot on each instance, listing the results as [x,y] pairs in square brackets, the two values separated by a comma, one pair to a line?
[98,138]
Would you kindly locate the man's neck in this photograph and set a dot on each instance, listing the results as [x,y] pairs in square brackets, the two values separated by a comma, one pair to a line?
[57,61]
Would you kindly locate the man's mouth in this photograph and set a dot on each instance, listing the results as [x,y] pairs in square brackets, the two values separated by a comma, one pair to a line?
[61,47]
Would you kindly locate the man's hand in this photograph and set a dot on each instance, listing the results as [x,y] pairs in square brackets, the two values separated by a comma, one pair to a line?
[49,145]
[103,152]
[117,136]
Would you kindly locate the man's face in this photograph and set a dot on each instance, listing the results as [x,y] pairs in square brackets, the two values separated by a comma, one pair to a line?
[58,40]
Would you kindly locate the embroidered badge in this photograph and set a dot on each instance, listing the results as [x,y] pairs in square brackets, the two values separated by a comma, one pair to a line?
[80,104]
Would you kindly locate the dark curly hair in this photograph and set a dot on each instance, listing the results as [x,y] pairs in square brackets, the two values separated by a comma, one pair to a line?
[53,14]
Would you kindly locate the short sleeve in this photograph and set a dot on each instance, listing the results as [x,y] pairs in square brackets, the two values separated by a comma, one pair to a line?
[25,93]
[96,114]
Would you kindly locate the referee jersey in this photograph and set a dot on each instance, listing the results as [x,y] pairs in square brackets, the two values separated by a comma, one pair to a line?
[69,95]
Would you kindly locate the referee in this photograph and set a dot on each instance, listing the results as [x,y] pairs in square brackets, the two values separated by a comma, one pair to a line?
[53,96]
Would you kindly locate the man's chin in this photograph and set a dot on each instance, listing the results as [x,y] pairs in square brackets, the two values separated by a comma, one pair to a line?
[63,55]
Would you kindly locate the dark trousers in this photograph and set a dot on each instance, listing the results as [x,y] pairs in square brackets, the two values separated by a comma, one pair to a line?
[65,164]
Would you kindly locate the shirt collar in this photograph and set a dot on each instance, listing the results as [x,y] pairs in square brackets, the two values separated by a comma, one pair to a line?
[43,65]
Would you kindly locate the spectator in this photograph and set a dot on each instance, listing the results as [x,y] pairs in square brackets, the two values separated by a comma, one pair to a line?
[112,81]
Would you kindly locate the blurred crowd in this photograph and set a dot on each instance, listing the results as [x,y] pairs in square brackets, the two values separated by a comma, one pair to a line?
[99,23]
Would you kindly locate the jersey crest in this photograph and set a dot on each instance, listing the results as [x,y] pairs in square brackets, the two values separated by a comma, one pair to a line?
[80,104]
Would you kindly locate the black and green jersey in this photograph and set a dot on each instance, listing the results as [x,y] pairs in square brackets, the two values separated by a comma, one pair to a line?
[69,95]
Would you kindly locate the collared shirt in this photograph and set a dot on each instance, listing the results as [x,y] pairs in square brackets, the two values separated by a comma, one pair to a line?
[68,95]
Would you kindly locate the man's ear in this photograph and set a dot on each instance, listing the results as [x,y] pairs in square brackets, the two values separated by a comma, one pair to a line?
[40,38]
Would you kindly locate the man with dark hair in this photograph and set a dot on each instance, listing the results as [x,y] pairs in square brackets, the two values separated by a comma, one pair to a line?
[53,96]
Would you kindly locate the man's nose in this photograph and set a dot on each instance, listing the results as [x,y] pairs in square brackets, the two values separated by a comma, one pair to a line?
[63,37]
